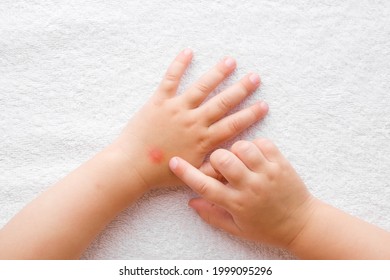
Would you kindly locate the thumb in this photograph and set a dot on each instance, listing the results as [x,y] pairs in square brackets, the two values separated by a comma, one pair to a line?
[214,215]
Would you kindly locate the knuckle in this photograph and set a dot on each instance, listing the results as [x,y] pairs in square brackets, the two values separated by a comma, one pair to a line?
[266,144]
[270,146]
[235,125]
[171,77]
[244,88]
[238,206]
[203,88]
[258,189]
[205,144]
[224,103]
[241,146]
[225,161]
[221,158]
[202,188]
[168,86]
[274,171]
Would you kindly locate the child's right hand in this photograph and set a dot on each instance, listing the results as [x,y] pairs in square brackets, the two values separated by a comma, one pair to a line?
[189,124]
[263,198]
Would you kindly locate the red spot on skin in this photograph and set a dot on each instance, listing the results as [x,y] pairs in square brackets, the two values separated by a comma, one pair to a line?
[156,155]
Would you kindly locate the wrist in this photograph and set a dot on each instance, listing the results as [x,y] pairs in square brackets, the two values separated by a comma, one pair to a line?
[304,218]
[120,173]
[146,159]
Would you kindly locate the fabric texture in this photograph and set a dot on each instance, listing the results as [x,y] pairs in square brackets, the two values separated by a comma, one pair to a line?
[73,72]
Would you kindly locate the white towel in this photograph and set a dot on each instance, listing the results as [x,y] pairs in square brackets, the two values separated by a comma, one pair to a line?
[73,72]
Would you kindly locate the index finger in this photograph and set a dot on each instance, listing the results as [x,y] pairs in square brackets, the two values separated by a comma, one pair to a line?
[175,71]
[207,187]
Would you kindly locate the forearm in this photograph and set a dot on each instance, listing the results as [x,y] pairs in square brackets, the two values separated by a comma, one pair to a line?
[62,221]
[333,234]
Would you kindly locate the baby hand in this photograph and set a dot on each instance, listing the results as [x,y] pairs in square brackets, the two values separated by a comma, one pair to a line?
[262,199]
[185,125]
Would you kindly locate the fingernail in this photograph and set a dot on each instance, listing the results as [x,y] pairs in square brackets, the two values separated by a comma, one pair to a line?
[173,163]
[254,78]
[263,105]
[187,52]
[230,62]
[191,205]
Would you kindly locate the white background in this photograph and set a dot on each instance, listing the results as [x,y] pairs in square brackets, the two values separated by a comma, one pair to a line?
[73,72]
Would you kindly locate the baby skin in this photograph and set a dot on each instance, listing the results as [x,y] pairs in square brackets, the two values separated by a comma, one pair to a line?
[252,191]
[62,221]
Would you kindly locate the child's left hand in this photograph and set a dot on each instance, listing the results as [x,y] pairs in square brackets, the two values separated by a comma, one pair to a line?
[184,125]
[251,191]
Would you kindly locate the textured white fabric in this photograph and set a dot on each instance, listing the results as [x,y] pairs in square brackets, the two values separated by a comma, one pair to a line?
[73,72]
